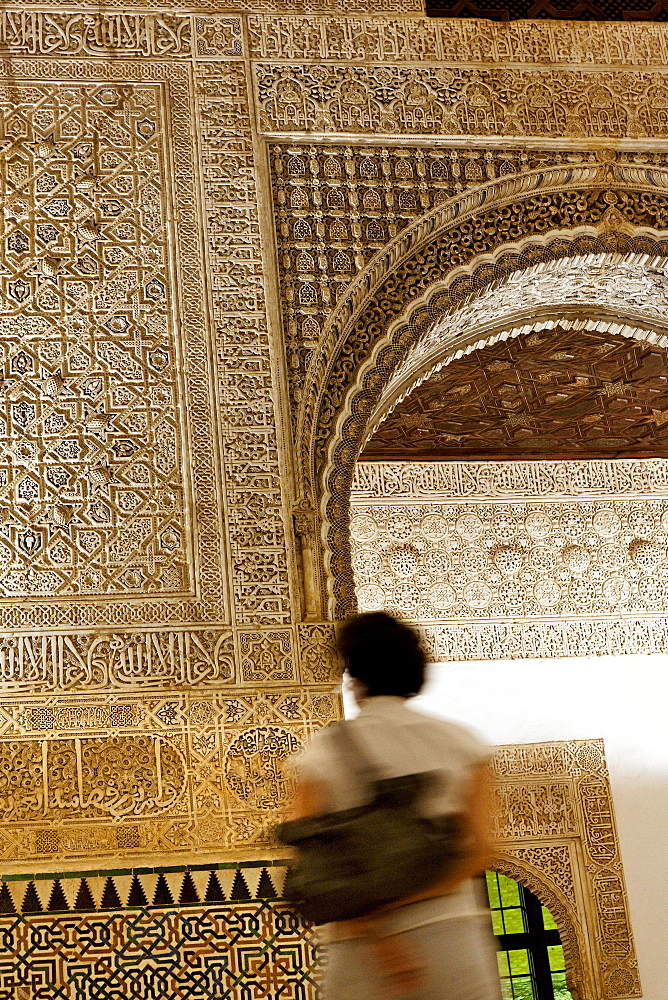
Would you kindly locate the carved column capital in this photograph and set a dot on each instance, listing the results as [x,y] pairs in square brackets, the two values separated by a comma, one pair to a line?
[304,519]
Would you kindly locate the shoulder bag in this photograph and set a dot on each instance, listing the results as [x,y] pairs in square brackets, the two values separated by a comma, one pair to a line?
[351,862]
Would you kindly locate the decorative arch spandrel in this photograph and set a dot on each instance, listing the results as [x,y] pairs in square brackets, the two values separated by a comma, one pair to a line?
[364,340]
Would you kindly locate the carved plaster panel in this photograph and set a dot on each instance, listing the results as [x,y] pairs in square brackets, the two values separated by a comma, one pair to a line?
[556,834]
[336,208]
[151,773]
[396,99]
[245,371]
[491,481]
[418,39]
[515,559]
[99,474]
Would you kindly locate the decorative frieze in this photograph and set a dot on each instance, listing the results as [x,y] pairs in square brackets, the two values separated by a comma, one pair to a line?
[513,560]
[245,381]
[174,773]
[593,636]
[413,39]
[82,33]
[396,99]
[484,481]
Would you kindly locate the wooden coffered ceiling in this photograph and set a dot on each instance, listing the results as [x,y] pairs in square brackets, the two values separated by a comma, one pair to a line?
[562,393]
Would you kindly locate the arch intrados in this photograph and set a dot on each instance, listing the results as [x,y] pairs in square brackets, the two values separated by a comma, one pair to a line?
[570,929]
[481,340]
[355,423]
[558,285]
[488,318]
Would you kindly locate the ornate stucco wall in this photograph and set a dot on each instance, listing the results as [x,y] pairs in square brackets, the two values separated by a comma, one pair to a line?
[516,559]
[204,214]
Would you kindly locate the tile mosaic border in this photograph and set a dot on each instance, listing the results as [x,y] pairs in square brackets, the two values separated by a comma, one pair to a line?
[117,889]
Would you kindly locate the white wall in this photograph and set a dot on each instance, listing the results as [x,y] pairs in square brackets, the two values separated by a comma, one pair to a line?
[624,700]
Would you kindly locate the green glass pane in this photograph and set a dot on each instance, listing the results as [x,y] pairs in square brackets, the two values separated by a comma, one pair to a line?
[524,988]
[493,890]
[497,922]
[548,920]
[556,953]
[561,991]
[510,891]
[502,959]
[513,920]
[519,962]
[506,990]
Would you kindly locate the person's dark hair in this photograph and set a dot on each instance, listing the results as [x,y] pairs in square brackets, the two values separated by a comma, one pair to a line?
[383,653]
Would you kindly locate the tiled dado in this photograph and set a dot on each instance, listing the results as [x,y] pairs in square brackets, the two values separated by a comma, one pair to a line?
[169,932]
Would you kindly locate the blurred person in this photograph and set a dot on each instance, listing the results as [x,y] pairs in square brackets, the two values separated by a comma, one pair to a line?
[436,944]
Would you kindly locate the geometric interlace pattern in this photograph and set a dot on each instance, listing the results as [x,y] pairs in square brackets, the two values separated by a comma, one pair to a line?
[90,486]
[240,951]
[218,932]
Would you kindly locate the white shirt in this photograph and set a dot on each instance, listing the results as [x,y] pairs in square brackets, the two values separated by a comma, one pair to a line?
[397,740]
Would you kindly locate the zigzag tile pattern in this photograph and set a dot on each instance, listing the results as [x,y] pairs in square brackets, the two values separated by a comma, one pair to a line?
[140,887]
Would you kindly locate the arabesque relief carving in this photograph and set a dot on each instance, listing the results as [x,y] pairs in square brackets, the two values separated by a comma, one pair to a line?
[151,772]
[248,418]
[336,207]
[560,793]
[376,342]
[154,498]
[95,476]
[92,481]
[497,561]
[450,40]
[394,99]
[551,558]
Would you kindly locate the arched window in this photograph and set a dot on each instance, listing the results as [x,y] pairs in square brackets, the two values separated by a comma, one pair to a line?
[531,958]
